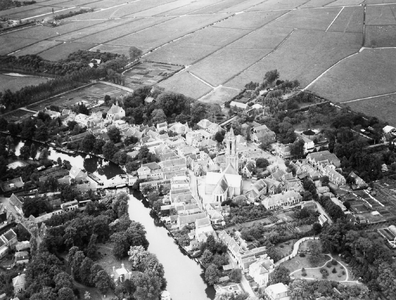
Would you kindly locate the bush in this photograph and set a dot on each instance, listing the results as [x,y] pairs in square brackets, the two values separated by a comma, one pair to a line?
[343,272]
[324,272]
[302,255]
[334,262]
[303,272]
[334,271]
[328,265]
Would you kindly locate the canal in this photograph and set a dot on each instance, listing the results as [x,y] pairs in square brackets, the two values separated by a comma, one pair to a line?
[184,275]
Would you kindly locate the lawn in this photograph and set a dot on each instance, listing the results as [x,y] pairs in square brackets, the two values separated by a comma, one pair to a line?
[107,260]
[298,262]
[369,73]
[15,83]
[315,273]
[285,248]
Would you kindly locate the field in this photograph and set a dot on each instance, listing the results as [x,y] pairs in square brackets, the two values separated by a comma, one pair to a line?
[380,36]
[15,83]
[88,95]
[352,79]
[225,44]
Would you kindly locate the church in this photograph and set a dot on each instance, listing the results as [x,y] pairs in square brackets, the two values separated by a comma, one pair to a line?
[227,184]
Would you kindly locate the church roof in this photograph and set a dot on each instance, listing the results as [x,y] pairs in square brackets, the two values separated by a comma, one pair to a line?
[230,170]
[221,187]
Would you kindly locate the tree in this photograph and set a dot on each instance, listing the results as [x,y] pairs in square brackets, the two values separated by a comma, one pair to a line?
[297,148]
[109,149]
[147,287]
[63,280]
[87,143]
[212,274]
[98,146]
[219,136]
[102,281]
[314,250]
[120,158]
[280,274]
[271,76]
[236,275]
[25,152]
[41,133]
[85,271]
[158,116]
[3,124]
[134,53]
[114,134]
[317,228]
[66,293]
[92,248]
[262,163]
[35,206]
[75,264]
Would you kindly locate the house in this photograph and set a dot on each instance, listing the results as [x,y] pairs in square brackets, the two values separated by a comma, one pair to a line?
[162,126]
[357,182]
[278,291]
[262,134]
[7,239]
[81,120]
[12,184]
[243,256]
[51,113]
[70,205]
[16,203]
[203,228]
[115,113]
[179,128]
[239,105]
[183,220]
[208,126]
[21,257]
[261,269]
[121,274]
[25,245]
[77,174]
[309,145]
[150,171]
[19,283]
[288,198]
[273,186]
[174,167]
[259,189]
[389,233]
[323,157]
[95,119]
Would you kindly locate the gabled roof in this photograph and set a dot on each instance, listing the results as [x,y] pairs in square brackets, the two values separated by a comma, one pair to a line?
[221,187]
[183,220]
[10,234]
[230,170]
[152,166]
[323,156]
[76,171]
[202,222]
[115,109]
[15,201]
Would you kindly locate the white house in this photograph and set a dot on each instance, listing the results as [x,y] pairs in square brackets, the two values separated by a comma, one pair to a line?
[278,291]
[115,113]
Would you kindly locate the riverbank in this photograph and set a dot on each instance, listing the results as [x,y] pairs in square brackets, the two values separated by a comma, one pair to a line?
[184,275]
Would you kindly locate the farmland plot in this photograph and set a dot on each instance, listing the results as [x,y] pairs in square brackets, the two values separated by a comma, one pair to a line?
[160,34]
[303,56]
[381,15]
[188,50]
[349,20]
[220,95]
[37,47]
[345,3]
[278,5]
[163,9]
[224,64]
[192,7]
[243,5]
[63,50]
[186,84]
[10,44]
[316,3]
[380,36]
[372,72]
[220,6]
[15,83]
[91,30]
[384,108]
[315,19]
[44,32]
[250,20]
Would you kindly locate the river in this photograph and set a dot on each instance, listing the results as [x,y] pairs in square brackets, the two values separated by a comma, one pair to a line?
[184,275]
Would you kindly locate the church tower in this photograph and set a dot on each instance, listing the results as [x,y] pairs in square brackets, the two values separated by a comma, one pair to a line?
[231,153]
